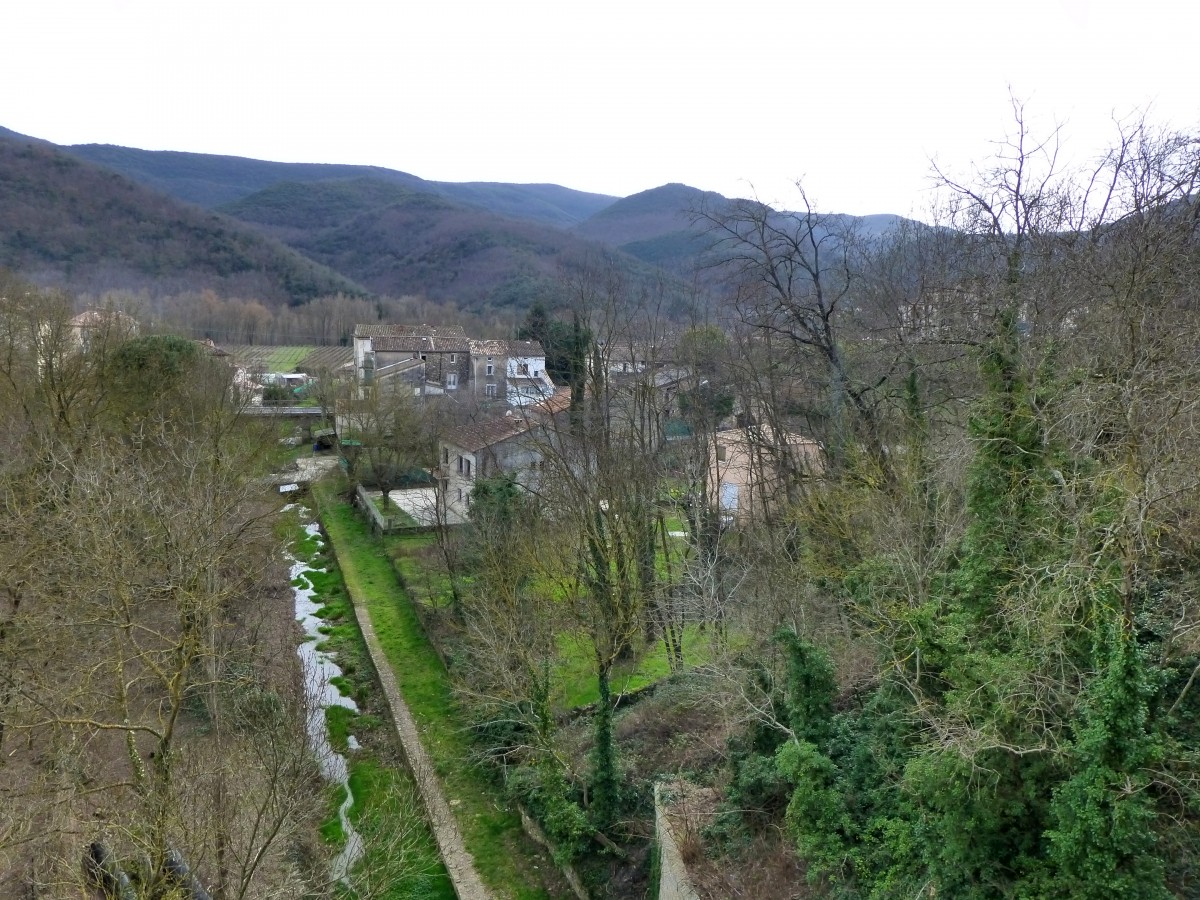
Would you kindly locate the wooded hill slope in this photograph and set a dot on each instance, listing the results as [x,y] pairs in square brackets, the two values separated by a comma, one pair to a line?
[66,222]
[397,242]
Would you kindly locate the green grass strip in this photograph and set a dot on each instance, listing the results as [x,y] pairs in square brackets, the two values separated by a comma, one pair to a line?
[401,860]
[491,829]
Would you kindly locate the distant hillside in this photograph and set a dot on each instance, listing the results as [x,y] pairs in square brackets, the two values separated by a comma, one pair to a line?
[209,180]
[65,222]
[294,208]
[660,226]
[657,226]
[22,138]
[397,242]
[213,181]
[479,245]
[548,204]
[650,214]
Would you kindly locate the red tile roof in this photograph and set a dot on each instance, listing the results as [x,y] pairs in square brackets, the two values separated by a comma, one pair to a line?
[421,343]
[390,330]
[478,435]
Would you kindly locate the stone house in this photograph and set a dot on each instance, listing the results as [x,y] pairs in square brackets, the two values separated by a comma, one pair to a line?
[510,444]
[515,443]
[102,326]
[429,359]
[442,360]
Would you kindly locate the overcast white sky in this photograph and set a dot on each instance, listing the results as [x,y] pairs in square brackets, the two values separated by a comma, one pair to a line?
[613,97]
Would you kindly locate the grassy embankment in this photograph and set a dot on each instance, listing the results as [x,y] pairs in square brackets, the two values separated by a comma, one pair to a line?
[491,829]
[401,860]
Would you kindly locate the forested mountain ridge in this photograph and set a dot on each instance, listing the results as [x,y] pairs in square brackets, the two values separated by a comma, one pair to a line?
[385,231]
[672,226]
[488,248]
[210,180]
[67,222]
[291,208]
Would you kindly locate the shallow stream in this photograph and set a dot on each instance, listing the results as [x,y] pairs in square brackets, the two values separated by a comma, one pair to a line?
[319,670]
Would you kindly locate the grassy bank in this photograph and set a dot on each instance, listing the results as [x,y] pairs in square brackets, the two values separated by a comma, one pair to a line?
[491,829]
[401,860]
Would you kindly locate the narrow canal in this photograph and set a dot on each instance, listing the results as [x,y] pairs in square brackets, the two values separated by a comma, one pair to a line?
[319,670]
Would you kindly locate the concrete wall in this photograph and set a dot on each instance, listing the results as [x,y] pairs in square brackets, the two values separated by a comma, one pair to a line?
[673,883]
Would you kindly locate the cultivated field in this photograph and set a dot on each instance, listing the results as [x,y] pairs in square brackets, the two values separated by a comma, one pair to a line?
[293,358]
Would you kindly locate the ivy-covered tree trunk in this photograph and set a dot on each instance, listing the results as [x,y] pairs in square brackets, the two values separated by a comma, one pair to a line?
[605,779]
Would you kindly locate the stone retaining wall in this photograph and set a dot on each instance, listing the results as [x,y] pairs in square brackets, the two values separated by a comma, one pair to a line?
[673,883]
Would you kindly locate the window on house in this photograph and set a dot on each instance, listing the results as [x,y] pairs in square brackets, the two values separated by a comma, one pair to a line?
[460,465]
[445,456]
[460,495]
[721,452]
[422,357]
[451,381]
[491,369]
[523,369]
[489,390]
[729,495]
[467,467]
[453,357]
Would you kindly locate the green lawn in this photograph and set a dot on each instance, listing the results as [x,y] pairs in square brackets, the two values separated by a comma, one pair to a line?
[491,829]
[416,560]
[575,674]
[285,359]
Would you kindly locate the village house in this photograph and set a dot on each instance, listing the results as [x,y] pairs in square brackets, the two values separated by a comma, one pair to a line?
[93,330]
[525,374]
[646,403]
[107,326]
[424,358]
[242,378]
[505,445]
[513,444]
[752,470]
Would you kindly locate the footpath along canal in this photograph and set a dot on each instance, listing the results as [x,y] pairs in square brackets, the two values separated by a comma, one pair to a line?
[478,829]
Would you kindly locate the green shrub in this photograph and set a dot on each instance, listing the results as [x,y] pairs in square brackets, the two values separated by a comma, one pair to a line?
[545,794]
